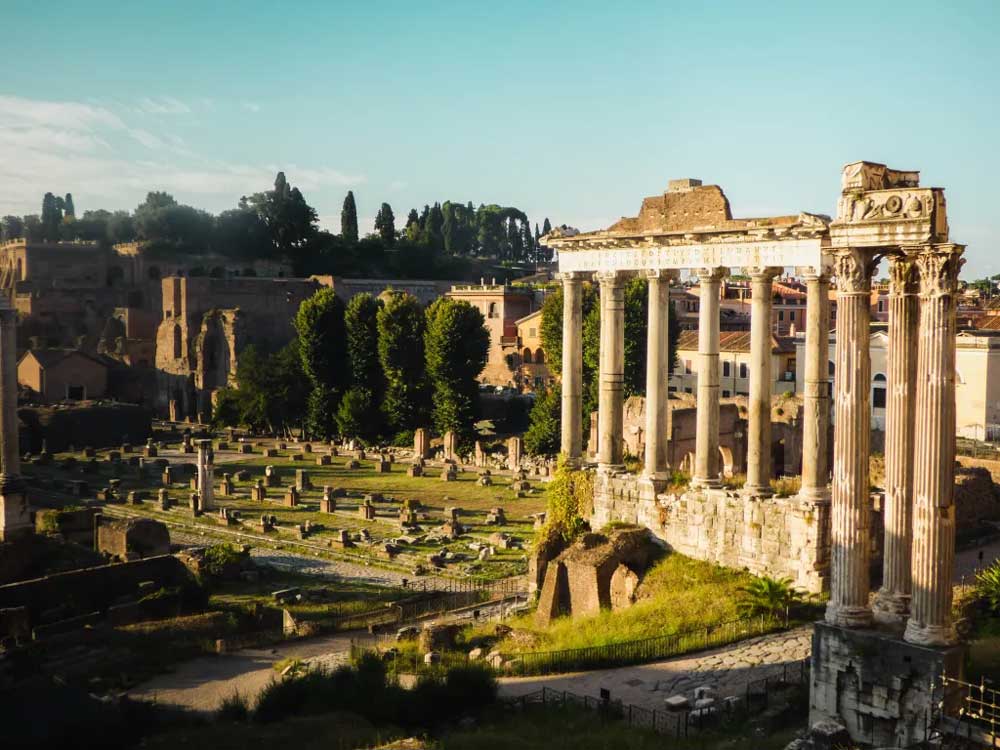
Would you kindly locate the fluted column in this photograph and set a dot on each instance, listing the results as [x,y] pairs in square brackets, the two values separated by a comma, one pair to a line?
[15,518]
[610,417]
[761,377]
[572,367]
[657,371]
[706,463]
[933,557]
[892,603]
[816,401]
[850,512]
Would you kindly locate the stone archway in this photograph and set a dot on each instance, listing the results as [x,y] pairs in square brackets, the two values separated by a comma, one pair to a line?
[726,461]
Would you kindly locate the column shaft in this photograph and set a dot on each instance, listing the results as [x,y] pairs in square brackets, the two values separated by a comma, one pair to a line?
[610,417]
[816,401]
[761,377]
[850,512]
[10,460]
[892,603]
[657,372]
[933,557]
[706,464]
[572,368]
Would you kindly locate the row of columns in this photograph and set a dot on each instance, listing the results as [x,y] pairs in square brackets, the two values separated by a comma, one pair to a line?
[919,550]
[707,465]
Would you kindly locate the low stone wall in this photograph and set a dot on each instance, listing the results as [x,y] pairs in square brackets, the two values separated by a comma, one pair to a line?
[779,537]
[91,589]
[993,467]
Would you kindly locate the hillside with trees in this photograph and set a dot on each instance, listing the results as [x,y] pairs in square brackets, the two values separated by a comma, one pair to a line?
[450,239]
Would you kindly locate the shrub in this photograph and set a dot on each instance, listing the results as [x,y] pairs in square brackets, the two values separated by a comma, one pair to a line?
[570,501]
[219,557]
[234,708]
[768,596]
[988,587]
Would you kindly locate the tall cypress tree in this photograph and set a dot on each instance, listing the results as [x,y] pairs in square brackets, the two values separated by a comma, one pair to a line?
[51,217]
[68,208]
[546,226]
[385,225]
[349,219]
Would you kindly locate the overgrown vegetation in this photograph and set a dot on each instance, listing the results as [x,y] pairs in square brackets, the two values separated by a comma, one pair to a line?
[772,597]
[570,499]
[676,594]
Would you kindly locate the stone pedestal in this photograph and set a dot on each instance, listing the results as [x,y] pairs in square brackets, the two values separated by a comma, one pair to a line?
[706,462]
[887,693]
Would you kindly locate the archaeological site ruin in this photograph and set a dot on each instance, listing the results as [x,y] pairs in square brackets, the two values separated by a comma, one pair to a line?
[875,669]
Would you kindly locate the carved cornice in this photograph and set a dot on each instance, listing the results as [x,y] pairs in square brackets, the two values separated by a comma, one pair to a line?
[763,275]
[669,274]
[573,276]
[853,268]
[903,275]
[612,278]
[939,266]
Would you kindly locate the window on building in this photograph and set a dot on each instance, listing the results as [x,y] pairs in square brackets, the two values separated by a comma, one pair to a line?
[76,392]
[539,356]
[791,315]
[526,356]
[725,369]
[492,310]
[878,391]
[744,371]
[687,366]
[725,394]
[781,314]
[688,390]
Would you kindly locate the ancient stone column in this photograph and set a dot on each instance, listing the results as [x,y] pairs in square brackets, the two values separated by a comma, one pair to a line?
[816,400]
[206,475]
[761,377]
[706,462]
[572,367]
[933,557]
[850,511]
[657,371]
[610,417]
[892,603]
[15,519]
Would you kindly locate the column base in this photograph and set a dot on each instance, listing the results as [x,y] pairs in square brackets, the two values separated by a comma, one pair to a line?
[610,468]
[757,490]
[929,635]
[891,608]
[572,462]
[708,484]
[815,494]
[653,484]
[848,617]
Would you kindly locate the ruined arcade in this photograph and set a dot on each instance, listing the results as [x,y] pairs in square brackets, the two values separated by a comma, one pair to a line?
[875,668]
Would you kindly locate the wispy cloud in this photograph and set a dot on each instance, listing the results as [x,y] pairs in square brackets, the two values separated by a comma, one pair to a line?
[107,160]
[250,106]
[163,105]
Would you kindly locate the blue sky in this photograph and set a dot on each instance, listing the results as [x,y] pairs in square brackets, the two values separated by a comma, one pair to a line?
[570,110]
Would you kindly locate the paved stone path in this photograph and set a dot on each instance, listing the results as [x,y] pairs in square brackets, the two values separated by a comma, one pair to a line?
[727,670]
[202,684]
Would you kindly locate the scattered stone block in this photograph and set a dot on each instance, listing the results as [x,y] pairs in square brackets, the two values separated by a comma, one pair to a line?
[291,497]
[382,467]
[302,482]
[414,470]
[258,493]
[322,460]
[353,464]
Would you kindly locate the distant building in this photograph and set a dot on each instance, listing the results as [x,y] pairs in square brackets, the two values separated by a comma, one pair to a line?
[52,375]
[977,380]
[734,364]
[502,306]
[531,363]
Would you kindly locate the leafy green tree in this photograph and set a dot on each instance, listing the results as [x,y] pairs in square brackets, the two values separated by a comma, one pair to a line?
[323,352]
[361,327]
[51,217]
[456,344]
[357,416]
[349,219]
[545,424]
[11,228]
[401,353]
[121,227]
[412,230]
[69,210]
[385,225]
[271,392]
[432,234]
[34,230]
[290,221]
[241,233]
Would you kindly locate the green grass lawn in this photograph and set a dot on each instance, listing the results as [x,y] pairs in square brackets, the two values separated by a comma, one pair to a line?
[676,594]
[395,486]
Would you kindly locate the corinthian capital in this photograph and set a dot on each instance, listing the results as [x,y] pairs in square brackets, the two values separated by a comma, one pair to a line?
[854,268]
[903,275]
[939,266]
[712,274]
